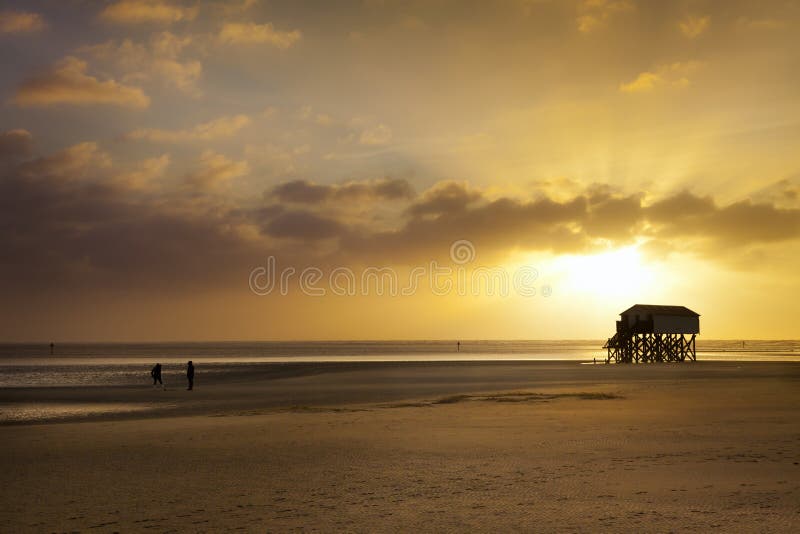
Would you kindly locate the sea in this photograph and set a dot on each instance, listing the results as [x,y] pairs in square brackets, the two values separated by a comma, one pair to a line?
[32,365]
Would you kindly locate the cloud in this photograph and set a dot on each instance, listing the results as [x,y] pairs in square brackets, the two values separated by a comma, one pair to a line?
[306,192]
[75,162]
[20,22]
[376,135]
[303,225]
[782,193]
[362,130]
[15,144]
[158,59]
[231,7]
[692,26]
[147,11]
[646,81]
[67,83]
[250,33]
[215,171]
[215,129]
[766,23]
[495,226]
[587,222]
[323,119]
[738,224]
[276,160]
[65,226]
[673,75]
[72,221]
[595,14]
[445,197]
[306,113]
[610,215]
[145,173]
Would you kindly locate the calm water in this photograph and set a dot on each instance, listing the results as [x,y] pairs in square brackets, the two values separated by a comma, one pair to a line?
[82,364]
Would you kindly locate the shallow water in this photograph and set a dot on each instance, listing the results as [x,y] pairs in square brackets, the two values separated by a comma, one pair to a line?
[129,364]
[52,411]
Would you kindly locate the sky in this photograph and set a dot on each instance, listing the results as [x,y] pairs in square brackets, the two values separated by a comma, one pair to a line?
[519,169]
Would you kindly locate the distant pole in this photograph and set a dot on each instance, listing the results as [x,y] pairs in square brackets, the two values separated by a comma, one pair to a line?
[458,346]
[52,348]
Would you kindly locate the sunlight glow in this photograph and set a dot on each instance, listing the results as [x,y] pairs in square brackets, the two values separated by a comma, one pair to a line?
[619,273]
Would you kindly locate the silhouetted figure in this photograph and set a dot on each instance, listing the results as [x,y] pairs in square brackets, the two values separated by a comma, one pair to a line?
[156,374]
[52,348]
[458,346]
[594,360]
[190,375]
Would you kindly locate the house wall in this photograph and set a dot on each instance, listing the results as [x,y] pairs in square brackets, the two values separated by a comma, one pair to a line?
[675,324]
[630,319]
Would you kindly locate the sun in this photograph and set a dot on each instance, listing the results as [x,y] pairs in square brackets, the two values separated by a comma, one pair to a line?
[621,273]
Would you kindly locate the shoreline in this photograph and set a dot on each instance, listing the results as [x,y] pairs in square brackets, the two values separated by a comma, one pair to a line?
[285,386]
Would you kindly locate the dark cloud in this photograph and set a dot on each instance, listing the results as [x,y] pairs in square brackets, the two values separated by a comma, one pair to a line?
[68,164]
[306,192]
[303,225]
[494,227]
[15,144]
[301,192]
[612,216]
[783,193]
[747,223]
[446,197]
[738,224]
[683,206]
[65,226]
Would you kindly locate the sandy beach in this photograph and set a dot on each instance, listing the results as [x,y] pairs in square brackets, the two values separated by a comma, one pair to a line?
[531,446]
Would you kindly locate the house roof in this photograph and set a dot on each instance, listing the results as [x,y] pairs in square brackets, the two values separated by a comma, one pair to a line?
[656,309]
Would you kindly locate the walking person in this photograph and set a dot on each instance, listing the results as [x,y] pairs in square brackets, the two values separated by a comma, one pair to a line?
[156,374]
[190,375]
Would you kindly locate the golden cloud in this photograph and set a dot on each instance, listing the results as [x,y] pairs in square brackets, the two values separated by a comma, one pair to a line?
[692,26]
[671,75]
[377,135]
[249,33]
[748,23]
[67,83]
[159,59]
[145,173]
[215,170]
[231,7]
[71,163]
[147,11]
[594,14]
[20,22]
[217,128]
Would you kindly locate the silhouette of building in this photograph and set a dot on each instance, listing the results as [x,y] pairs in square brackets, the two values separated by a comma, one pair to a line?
[653,333]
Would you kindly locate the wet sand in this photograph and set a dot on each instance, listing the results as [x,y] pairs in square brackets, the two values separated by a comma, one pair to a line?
[545,446]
